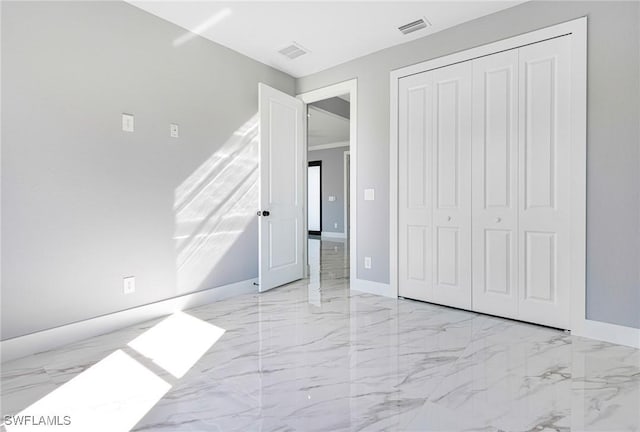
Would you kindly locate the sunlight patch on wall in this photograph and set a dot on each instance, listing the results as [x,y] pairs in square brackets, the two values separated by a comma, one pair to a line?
[215,205]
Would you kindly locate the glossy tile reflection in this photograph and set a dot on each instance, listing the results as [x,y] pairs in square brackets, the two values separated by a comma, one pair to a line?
[314,356]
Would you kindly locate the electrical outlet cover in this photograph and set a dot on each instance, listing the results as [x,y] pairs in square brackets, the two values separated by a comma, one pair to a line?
[127,122]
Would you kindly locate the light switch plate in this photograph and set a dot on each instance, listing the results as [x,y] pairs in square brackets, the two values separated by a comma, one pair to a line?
[367,262]
[174,130]
[332,198]
[129,285]
[369,194]
[127,122]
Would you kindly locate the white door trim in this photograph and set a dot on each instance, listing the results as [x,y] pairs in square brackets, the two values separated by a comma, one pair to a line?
[329,146]
[577,31]
[344,191]
[350,87]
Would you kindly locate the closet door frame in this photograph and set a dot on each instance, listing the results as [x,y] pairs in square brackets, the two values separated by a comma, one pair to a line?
[576,30]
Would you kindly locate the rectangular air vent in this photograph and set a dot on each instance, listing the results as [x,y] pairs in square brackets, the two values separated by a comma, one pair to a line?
[413,26]
[293,51]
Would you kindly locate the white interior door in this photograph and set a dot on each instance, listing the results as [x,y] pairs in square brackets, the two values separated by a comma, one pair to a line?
[281,221]
[451,183]
[544,177]
[415,137]
[495,184]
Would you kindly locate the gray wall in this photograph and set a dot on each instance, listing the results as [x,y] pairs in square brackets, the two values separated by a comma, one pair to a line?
[332,184]
[613,190]
[83,203]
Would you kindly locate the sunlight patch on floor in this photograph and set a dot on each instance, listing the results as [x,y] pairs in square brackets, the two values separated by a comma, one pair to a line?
[177,343]
[112,395]
[115,394]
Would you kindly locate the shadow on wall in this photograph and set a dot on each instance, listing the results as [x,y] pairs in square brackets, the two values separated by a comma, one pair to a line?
[215,206]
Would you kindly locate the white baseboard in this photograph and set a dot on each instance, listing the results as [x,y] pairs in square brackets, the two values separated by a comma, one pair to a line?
[371,287]
[329,234]
[613,333]
[45,340]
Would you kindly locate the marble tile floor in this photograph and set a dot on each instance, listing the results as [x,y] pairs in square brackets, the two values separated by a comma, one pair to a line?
[315,356]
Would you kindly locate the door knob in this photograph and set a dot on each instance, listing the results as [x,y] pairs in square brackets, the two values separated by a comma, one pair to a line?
[263,213]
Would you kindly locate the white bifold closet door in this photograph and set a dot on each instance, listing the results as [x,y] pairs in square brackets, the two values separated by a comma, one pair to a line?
[495,184]
[452,185]
[415,236]
[544,182]
[435,186]
[484,165]
[521,146]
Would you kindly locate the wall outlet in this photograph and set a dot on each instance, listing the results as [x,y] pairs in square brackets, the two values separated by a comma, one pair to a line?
[174,130]
[127,122]
[129,285]
[367,262]
[335,224]
[332,198]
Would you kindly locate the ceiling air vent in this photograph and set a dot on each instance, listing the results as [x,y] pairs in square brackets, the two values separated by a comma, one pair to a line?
[414,26]
[293,51]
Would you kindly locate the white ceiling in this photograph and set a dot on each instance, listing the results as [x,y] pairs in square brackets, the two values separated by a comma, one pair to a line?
[326,128]
[333,32]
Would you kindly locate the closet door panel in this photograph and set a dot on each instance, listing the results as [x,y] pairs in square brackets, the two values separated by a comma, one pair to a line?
[452,185]
[495,184]
[544,168]
[415,173]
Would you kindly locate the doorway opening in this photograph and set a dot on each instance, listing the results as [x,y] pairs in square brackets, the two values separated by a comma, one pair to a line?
[327,180]
[331,161]
[327,142]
